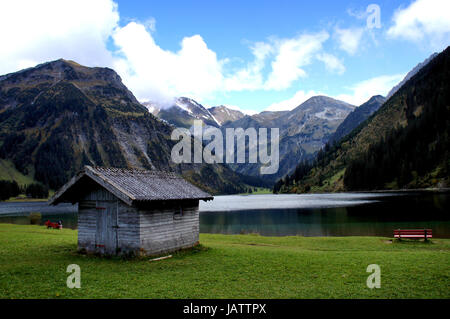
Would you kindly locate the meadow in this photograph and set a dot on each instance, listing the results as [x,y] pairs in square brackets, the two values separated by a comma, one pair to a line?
[34,260]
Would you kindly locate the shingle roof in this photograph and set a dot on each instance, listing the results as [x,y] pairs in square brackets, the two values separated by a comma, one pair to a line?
[132,185]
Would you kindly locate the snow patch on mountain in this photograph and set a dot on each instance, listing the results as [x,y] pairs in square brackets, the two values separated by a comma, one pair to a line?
[331,114]
[183,106]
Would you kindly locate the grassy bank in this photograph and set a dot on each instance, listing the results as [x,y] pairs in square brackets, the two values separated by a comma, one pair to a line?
[257,191]
[33,263]
[9,172]
[24,199]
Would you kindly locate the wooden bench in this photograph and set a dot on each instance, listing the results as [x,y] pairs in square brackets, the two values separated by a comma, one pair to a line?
[413,233]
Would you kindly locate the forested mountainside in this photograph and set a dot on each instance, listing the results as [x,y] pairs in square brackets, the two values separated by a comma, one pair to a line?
[59,116]
[405,144]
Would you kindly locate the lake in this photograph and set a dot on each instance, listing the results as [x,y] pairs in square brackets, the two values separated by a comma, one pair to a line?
[343,214]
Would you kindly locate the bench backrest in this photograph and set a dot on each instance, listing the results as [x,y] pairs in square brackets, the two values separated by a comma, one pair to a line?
[406,232]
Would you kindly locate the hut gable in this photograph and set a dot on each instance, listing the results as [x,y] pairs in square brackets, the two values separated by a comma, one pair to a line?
[130,185]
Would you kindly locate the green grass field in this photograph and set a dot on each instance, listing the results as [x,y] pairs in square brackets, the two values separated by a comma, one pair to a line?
[23,199]
[258,191]
[10,173]
[33,262]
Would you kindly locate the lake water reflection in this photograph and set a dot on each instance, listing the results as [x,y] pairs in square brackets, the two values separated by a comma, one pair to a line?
[359,214]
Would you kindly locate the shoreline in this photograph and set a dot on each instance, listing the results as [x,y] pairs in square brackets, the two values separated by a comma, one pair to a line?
[403,190]
[414,190]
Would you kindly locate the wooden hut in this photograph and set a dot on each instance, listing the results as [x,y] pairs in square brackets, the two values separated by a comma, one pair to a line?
[122,211]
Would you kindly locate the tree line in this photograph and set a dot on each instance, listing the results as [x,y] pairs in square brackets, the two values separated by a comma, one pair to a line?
[301,171]
[406,154]
[10,189]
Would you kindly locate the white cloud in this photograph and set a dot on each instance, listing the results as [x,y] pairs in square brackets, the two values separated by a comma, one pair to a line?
[291,103]
[88,32]
[288,56]
[332,63]
[250,77]
[423,20]
[154,73]
[364,90]
[292,56]
[38,31]
[349,39]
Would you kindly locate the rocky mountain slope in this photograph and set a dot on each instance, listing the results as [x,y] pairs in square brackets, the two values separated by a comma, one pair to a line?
[183,113]
[303,131]
[59,116]
[223,114]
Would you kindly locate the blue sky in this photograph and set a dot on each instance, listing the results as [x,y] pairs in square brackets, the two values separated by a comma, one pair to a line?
[254,55]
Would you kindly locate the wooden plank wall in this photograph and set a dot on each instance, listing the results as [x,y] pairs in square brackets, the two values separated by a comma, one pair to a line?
[128,229]
[165,229]
[87,225]
[151,230]
[128,222]
[87,218]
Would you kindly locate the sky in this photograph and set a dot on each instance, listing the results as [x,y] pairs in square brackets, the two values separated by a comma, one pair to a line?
[248,55]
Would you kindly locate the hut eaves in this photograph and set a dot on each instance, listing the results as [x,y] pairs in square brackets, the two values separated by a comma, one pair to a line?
[132,185]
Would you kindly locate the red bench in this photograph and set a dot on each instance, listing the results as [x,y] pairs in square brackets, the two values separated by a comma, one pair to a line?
[49,224]
[413,233]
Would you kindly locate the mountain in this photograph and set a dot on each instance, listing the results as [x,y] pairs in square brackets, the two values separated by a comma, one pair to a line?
[317,118]
[357,116]
[183,113]
[223,114]
[405,144]
[307,128]
[266,117]
[303,131]
[59,116]
[410,74]
[98,85]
